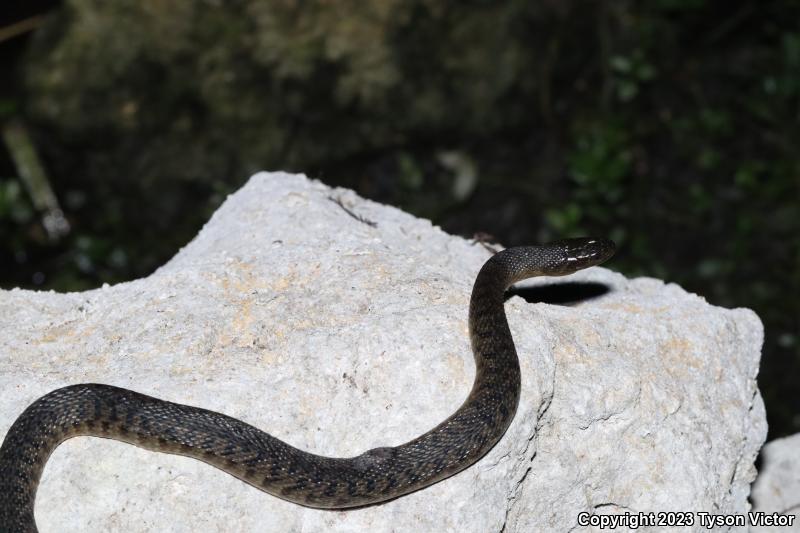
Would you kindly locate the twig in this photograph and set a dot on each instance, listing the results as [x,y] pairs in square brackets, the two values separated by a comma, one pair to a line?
[338,201]
[486,240]
[18,28]
[31,172]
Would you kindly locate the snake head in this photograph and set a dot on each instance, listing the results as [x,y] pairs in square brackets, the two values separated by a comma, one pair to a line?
[581,253]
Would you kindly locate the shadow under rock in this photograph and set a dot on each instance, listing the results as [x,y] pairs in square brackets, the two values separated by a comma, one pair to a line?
[560,293]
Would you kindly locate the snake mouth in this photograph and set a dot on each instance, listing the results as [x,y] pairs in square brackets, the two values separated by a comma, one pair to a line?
[583,252]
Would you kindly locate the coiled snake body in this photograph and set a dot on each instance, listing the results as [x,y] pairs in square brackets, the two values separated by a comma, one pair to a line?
[276,467]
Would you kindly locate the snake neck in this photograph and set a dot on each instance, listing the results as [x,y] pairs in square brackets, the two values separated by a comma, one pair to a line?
[497,376]
[490,335]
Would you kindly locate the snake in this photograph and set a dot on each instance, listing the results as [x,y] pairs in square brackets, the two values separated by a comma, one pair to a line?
[269,464]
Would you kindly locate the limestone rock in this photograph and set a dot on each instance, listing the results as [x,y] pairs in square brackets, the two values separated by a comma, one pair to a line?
[337,335]
[777,487]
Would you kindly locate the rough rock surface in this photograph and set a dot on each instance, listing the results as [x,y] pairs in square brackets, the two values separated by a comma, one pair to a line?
[777,487]
[336,336]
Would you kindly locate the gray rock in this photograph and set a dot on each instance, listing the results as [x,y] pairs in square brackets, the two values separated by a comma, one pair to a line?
[338,336]
[777,487]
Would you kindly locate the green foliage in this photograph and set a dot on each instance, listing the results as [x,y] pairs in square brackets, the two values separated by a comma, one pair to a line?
[14,207]
[631,73]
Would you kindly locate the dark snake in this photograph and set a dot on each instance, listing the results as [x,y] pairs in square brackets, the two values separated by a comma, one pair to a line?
[272,465]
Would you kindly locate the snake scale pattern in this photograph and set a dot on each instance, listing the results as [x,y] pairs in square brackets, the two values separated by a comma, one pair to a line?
[276,467]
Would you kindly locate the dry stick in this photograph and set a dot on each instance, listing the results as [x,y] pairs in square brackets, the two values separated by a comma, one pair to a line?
[31,172]
[20,27]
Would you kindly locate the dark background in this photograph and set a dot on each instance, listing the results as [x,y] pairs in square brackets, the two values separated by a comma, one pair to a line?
[671,126]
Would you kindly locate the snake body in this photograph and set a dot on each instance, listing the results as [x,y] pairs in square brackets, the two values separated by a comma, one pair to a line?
[272,465]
